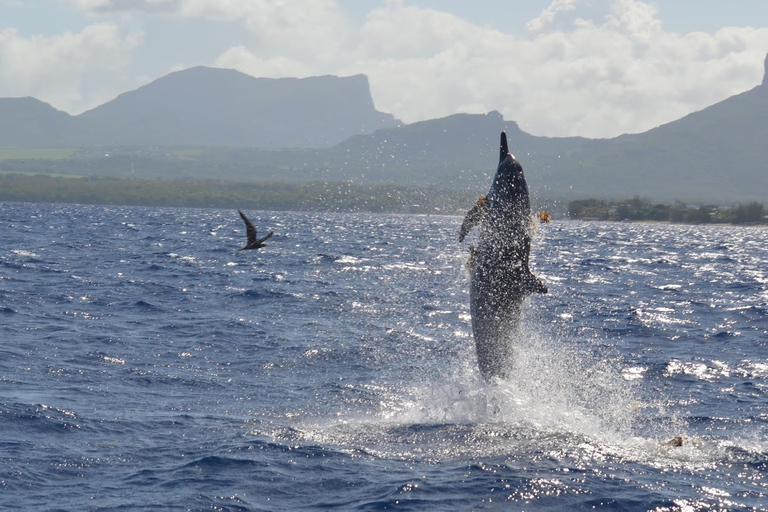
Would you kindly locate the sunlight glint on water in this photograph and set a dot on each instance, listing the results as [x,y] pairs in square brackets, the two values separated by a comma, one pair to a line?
[147,365]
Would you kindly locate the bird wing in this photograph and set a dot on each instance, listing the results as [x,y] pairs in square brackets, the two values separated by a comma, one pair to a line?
[261,241]
[250,229]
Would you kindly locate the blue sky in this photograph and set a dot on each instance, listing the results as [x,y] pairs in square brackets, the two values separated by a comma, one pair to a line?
[596,68]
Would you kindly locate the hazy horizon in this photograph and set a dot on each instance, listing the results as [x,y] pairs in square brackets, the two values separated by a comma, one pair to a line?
[559,68]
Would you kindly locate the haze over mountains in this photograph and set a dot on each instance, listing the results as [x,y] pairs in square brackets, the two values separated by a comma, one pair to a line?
[205,122]
[204,106]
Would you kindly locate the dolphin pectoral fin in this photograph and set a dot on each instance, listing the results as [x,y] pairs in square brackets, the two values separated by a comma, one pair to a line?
[467,225]
[539,286]
[532,284]
[473,217]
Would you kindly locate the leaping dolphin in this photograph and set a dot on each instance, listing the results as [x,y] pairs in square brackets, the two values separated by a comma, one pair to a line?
[250,230]
[500,278]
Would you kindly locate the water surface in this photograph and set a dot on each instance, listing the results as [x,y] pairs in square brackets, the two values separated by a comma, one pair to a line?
[146,365]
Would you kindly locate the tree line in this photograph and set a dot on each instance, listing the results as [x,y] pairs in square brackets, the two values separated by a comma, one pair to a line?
[637,209]
[337,196]
[341,196]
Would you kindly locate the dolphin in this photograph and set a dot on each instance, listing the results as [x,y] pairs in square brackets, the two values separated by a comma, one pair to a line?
[500,278]
[250,231]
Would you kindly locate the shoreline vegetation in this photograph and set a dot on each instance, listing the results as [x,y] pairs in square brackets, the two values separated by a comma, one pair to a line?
[337,196]
[332,196]
[643,210]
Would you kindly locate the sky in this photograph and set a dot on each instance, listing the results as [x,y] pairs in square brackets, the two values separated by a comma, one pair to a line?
[592,68]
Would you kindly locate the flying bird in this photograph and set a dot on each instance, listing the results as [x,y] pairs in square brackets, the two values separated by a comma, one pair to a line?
[253,242]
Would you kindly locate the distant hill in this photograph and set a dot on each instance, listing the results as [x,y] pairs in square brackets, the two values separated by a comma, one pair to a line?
[459,150]
[27,122]
[205,107]
[718,154]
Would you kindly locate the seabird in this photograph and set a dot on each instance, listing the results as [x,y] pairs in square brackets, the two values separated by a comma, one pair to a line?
[253,242]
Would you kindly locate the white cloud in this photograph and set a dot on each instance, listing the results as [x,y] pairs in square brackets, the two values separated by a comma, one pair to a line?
[617,72]
[70,70]
[585,67]
[312,31]
[107,6]
[89,5]
[596,68]
[548,15]
[309,27]
[398,31]
[242,59]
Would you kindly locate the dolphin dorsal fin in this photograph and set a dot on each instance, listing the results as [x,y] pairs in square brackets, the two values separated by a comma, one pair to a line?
[504,149]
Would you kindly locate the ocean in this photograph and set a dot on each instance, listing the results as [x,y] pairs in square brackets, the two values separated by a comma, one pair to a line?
[147,365]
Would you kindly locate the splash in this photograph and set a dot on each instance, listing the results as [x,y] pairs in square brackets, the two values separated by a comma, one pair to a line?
[554,388]
[560,399]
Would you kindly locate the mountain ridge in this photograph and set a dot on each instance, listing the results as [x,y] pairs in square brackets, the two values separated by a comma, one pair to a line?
[210,106]
[715,154]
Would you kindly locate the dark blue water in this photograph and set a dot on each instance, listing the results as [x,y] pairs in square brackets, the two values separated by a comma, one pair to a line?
[145,365]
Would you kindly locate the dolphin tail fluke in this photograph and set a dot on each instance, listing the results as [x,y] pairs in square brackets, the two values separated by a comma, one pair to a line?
[504,148]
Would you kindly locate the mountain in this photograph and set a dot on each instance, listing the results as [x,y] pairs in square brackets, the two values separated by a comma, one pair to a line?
[25,120]
[206,107]
[459,150]
[716,155]
[223,107]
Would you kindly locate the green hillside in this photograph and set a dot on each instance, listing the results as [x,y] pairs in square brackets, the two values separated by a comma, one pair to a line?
[716,155]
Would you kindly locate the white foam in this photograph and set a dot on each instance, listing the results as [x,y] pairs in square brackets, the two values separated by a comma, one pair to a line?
[26,254]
